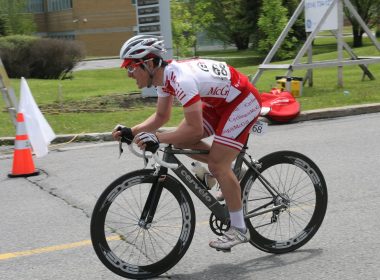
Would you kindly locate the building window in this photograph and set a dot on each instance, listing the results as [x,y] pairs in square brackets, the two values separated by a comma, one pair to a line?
[59,5]
[36,6]
[68,35]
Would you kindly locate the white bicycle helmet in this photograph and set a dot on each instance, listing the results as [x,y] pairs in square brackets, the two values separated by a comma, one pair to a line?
[140,46]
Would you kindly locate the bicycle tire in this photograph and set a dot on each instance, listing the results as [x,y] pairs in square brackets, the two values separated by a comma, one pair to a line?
[300,180]
[130,250]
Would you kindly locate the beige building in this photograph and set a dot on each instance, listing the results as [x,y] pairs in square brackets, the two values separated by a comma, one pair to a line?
[100,25]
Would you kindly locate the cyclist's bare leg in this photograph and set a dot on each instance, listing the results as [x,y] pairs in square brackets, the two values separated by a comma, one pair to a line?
[201,145]
[219,163]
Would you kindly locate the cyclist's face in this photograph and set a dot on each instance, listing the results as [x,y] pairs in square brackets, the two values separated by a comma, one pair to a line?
[139,74]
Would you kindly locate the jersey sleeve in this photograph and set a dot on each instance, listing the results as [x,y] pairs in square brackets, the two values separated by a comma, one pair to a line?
[161,93]
[184,86]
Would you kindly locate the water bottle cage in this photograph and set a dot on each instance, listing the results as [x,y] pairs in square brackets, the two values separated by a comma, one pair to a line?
[205,180]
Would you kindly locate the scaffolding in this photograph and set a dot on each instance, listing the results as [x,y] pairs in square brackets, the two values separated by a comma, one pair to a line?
[307,47]
[8,93]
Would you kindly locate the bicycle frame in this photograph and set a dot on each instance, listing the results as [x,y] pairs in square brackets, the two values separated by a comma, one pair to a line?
[201,190]
[192,182]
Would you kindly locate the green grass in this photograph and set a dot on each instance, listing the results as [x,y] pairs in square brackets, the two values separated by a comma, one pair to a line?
[94,83]
[83,85]
[101,122]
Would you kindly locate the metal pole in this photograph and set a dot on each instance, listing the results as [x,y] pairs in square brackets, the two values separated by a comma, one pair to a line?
[340,42]
[8,94]
[309,74]
[355,57]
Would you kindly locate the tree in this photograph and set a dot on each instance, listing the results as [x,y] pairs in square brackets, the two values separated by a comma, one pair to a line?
[369,12]
[234,21]
[378,21]
[189,18]
[299,26]
[4,25]
[17,20]
[273,18]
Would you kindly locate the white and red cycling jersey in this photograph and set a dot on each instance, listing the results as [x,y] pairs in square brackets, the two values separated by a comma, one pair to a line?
[231,104]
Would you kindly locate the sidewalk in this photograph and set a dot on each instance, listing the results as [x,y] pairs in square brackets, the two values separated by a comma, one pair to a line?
[98,64]
[304,116]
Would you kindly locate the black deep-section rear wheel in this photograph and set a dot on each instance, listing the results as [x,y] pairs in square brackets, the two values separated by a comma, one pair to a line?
[128,246]
[301,190]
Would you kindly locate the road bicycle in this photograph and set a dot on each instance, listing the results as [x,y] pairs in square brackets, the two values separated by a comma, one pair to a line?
[144,221]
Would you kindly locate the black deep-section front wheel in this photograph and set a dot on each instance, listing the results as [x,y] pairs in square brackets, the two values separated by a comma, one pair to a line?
[127,245]
[300,201]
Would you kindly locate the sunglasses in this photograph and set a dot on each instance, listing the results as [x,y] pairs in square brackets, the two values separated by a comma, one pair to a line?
[131,68]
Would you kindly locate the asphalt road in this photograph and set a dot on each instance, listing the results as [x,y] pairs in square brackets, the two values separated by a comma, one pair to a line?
[44,230]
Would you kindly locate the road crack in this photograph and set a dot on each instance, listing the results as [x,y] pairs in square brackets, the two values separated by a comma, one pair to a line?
[44,175]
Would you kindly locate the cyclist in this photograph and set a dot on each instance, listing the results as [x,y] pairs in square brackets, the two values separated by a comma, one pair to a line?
[217,100]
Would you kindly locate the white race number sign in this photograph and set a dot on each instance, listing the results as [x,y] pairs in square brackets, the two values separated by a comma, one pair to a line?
[314,11]
[259,128]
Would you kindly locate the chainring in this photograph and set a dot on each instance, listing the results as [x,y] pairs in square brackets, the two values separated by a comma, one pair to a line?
[217,226]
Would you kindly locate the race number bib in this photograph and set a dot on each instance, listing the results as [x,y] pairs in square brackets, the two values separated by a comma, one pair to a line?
[220,70]
[216,69]
[259,128]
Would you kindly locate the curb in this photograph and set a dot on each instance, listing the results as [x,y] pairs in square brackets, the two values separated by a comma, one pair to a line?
[303,116]
[337,112]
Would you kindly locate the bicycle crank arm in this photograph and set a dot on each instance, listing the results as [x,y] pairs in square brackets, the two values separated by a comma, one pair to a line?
[279,207]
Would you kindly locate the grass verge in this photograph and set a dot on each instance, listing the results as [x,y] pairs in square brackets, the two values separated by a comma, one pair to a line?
[96,91]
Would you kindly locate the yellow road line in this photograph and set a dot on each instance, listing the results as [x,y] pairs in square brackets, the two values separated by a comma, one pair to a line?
[61,247]
[7,256]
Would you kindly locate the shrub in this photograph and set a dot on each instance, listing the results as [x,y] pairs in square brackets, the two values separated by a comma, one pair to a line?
[15,54]
[53,58]
[32,57]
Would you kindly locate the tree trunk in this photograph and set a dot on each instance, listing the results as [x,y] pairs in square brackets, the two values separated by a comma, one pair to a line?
[241,41]
[358,36]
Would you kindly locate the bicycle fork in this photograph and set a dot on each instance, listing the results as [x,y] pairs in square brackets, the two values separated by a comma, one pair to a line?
[151,203]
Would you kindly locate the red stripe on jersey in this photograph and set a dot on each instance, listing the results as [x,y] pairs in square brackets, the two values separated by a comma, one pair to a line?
[227,142]
[192,101]
[181,95]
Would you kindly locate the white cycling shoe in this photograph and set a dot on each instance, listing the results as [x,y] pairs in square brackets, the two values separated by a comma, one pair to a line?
[230,238]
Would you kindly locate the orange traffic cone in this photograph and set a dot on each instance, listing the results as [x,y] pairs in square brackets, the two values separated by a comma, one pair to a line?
[23,165]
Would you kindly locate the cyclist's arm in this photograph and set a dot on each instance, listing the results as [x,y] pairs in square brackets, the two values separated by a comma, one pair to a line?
[190,131]
[158,119]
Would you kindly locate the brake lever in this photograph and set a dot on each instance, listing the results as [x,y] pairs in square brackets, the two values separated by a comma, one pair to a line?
[120,148]
[145,159]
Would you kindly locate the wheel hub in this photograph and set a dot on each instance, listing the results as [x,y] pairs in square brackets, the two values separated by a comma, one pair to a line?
[282,199]
[144,225]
